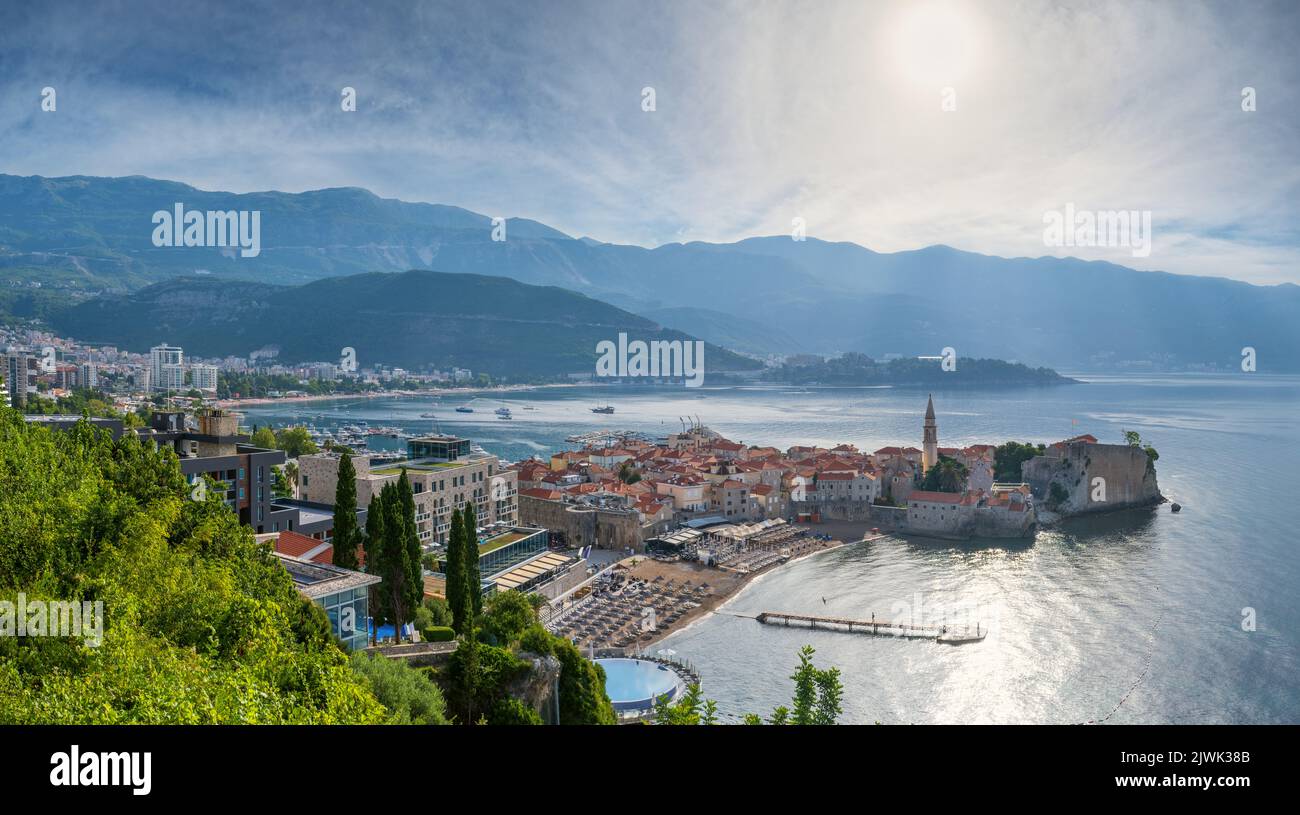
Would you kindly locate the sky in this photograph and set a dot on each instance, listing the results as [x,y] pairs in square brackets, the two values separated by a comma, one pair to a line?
[764,113]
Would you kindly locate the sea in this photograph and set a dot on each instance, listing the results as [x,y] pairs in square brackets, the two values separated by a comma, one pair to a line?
[1140,616]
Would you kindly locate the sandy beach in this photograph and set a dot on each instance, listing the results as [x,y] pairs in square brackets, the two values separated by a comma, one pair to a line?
[723,583]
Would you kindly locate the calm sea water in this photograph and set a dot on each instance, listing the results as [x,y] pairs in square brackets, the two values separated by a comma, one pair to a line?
[1134,617]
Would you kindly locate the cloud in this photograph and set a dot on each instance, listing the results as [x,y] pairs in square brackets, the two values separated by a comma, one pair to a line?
[764,112]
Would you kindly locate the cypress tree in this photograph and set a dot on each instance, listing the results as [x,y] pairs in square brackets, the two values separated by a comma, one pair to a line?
[375,533]
[407,550]
[346,533]
[394,562]
[473,578]
[456,598]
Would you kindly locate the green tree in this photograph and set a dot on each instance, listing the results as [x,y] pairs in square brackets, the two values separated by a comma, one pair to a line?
[508,614]
[264,437]
[830,694]
[204,626]
[1008,458]
[439,610]
[805,689]
[1133,439]
[376,536]
[295,441]
[627,472]
[347,535]
[473,578]
[945,475]
[457,599]
[685,711]
[409,588]
[281,486]
[407,693]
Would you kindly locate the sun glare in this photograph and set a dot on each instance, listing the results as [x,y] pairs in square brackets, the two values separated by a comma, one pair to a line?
[935,43]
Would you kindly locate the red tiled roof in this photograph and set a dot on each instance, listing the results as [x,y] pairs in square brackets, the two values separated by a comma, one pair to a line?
[541,492]
[298,545]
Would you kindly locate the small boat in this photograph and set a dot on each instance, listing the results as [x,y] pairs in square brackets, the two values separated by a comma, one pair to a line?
[503,413]
[428,416]
[464,409]
[604,409]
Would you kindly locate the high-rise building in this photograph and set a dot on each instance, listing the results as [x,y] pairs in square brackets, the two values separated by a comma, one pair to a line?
[89,375]
[173,379]
[203,377]
[161,356]
[20,372]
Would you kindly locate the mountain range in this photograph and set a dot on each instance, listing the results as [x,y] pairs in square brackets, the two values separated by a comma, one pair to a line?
[410,319]
[760,295]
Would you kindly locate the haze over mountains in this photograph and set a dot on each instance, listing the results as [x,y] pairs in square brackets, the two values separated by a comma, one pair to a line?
[411,319]
[762,295]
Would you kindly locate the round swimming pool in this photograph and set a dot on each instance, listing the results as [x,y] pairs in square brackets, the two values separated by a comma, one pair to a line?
[635,684]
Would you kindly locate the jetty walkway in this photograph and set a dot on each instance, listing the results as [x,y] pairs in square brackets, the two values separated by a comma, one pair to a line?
[949,634]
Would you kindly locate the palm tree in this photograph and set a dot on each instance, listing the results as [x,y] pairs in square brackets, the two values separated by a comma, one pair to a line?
[291,473]
[952,475]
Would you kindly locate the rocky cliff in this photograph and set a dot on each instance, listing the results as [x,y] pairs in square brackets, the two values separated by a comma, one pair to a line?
[1081,478]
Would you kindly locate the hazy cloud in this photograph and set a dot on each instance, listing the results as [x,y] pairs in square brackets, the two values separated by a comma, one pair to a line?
[827,111]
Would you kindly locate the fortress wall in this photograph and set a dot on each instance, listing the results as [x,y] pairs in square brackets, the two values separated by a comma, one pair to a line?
[1129,481]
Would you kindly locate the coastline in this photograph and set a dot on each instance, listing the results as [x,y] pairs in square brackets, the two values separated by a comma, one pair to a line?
[260,401]
[714,603]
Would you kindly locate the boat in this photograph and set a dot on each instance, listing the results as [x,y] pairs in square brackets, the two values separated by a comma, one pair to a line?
[603,409]
[464,409]
[428,416]
[503,413]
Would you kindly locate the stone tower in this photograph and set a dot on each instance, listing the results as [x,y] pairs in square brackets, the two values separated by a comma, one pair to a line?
[930,439]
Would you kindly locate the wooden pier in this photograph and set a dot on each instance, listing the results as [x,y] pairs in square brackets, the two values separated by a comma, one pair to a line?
[950,635]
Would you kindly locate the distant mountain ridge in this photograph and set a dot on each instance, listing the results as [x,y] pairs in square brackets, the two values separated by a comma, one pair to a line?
[410,319]
[759,293]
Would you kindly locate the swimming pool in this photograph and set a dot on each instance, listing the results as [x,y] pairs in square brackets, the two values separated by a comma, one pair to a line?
[635,684]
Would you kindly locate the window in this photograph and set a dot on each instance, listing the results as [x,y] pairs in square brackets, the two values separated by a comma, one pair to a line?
[261,474]
[304,478]
[241,473]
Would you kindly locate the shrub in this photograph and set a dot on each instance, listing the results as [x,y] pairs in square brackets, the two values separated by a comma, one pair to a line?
[437,633]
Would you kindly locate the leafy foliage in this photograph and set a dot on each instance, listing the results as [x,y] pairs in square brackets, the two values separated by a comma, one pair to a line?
[818,694]
[946,475]
[457,599]
[202,624]
[410,696]
[347,535]
[1008,457]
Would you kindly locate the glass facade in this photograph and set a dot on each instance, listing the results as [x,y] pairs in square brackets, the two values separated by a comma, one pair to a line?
[497,557]
[347,611]
[444,448]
